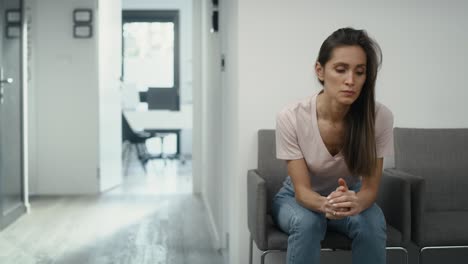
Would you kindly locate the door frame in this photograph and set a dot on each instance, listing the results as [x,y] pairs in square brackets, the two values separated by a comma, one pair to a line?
[26,47]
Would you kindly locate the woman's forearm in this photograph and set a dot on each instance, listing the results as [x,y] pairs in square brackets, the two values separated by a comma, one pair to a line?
[370,186]
[311,200]
[366,197]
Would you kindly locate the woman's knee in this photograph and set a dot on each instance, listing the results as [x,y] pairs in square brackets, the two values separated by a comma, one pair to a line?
[308,222]
[370,223]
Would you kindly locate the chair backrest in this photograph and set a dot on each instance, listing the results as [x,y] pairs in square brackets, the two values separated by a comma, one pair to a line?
[441,157]
[127,131]
[273,170]
[163,99]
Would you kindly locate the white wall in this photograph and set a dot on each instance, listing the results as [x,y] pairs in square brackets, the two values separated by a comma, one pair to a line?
[215,101]
[211,142]
[273,45]
[231,172]
[27,80]
[31,164]
[109,32]
[197,96]
[64,102]
[74,99]
[155,118]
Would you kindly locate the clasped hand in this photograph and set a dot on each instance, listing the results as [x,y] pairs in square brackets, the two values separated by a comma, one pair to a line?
[342,202]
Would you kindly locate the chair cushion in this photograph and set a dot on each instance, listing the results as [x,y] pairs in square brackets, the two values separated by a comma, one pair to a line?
[335,240]
[444,229]
[278,240]
[394,237]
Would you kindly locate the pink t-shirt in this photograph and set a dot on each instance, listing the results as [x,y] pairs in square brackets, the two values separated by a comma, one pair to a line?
[298,136]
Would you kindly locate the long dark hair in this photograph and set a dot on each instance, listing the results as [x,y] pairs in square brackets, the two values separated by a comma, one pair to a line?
[359,147]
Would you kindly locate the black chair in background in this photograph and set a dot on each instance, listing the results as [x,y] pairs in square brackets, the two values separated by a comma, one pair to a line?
[136,139]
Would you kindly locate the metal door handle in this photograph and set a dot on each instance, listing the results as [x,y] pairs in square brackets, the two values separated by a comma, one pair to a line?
[7,80]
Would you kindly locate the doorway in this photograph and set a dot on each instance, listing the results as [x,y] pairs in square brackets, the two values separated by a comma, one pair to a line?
[11,130]
[150,56]
[153,98]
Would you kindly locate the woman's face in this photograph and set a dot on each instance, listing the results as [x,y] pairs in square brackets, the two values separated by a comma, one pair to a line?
[344,74]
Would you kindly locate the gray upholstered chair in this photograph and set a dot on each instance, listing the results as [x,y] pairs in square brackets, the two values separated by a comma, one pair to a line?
[436,163]
[265,181]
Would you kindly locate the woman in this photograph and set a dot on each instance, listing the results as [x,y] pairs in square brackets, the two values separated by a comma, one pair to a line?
[334,143]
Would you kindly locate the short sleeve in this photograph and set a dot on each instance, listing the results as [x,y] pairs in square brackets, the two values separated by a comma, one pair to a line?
[287,147]
[384,132]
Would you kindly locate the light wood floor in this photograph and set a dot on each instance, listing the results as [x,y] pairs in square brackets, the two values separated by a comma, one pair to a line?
[152,218]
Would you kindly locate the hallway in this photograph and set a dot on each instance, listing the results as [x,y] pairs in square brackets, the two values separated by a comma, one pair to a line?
[150,218]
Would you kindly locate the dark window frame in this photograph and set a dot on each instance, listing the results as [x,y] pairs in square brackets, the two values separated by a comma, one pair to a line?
[129,16]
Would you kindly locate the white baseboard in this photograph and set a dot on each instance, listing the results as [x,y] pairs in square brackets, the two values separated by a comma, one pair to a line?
[212,225]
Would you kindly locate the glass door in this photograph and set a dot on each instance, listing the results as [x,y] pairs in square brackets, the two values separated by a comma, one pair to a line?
[11,182]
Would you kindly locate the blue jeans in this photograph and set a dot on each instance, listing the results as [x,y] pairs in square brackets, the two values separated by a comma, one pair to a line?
[307,229]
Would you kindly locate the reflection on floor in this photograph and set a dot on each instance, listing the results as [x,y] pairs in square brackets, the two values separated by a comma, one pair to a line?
[151,218]
[161,177]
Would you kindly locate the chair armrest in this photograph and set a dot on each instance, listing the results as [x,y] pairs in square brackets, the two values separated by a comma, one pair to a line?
[257,208]
[395,202]
[417,190]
